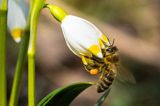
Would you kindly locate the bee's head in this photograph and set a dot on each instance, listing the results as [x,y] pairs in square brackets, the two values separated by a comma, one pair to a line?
[111,53]
[111,49]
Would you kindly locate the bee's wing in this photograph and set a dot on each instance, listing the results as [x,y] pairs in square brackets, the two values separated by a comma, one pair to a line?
[124,75]
[102,98]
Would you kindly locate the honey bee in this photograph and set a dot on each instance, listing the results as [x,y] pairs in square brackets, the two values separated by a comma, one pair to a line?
[106,67]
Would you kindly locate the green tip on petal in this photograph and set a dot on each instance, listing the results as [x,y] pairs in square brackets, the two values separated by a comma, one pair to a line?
[57,12]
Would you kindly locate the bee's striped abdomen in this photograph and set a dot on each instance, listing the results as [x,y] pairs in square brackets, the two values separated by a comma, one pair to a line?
[105,82]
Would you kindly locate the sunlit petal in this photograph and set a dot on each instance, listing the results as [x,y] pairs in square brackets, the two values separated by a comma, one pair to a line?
[82,36]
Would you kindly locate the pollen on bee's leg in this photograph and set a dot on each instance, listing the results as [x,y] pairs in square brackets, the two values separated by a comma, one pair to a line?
[93,71]
[16,34]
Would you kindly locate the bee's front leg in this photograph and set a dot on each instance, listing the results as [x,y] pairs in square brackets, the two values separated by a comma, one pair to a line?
[90,65]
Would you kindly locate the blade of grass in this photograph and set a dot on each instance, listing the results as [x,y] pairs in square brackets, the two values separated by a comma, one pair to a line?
[37,6]
[3,37]
[65,95]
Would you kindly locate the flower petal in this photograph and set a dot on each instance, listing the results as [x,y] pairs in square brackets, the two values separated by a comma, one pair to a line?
[81,35]
[96,50]
[105,39]
[16,19]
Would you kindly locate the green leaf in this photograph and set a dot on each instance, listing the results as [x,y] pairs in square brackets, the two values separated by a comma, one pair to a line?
[102,98]
[65,95]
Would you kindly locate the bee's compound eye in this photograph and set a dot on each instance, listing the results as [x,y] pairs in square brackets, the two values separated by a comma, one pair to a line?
[110,50]
[93,71]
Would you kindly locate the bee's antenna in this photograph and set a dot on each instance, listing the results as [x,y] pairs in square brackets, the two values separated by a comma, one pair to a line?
[113,42]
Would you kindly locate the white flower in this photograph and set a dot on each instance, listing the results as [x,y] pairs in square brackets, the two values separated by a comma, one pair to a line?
[82,37]
[16,18]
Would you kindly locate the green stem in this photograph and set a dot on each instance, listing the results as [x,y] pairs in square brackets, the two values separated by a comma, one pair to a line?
[31,80]
[3,30]
[19,69]
[37,6]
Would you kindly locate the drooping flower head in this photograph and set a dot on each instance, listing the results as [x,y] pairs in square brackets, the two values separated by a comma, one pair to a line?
[83,38]
[16,20]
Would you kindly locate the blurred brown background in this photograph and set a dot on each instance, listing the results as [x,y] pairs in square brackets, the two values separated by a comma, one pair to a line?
[135,25]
